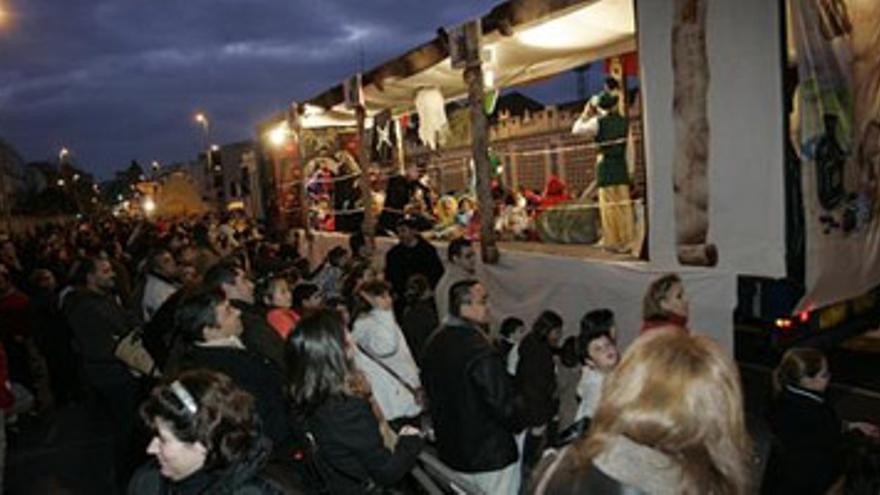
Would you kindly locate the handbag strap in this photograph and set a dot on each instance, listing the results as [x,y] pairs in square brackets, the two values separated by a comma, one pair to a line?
[413,390]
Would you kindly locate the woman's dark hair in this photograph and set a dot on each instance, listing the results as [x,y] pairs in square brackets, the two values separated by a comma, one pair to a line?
[318,366]
[300,293]
[571,354]
[206,407]
[546,322]
[373,288]
[597,321]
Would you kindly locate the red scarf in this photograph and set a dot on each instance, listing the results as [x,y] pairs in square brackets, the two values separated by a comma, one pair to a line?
[669,320]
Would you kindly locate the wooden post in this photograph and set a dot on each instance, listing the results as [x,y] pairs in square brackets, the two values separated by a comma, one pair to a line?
[368,226]
[473,76]
[401,153]
[296,162]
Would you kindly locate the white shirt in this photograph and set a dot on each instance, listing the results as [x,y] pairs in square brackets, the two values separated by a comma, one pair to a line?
[589,389]
[156,292]
[589,128]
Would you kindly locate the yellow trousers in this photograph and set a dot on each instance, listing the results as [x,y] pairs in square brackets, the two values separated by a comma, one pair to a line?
[616,213]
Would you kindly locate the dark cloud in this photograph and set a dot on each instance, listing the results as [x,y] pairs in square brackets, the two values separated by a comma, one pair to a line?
[116,80]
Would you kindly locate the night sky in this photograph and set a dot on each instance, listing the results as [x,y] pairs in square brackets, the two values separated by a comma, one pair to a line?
[116,80]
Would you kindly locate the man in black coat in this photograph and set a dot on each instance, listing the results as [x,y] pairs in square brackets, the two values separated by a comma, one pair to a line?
[258,336]
[98,321]
[471,397]
[211,326]
[412,255]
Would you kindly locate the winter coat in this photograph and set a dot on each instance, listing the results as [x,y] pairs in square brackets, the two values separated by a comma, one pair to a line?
[350,448]
[471,399]
[97,322]
[258,335]
[402,262]
[378,335]
[807,455]
[418,322]
[536,380]
[622,468]
[253,373]
[250,476]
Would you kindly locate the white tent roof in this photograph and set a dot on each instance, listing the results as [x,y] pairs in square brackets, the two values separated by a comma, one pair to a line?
[540,49]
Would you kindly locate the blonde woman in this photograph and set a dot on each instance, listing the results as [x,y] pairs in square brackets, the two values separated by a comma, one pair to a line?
[666,305]
[670,421]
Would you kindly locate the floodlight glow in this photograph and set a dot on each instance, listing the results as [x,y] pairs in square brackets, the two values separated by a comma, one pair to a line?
[149,205]
[278,135]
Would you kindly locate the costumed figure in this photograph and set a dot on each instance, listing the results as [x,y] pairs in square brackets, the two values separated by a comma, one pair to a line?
[446,211]
[604,123]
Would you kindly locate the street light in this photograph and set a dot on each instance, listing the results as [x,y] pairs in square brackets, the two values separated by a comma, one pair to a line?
[63,153]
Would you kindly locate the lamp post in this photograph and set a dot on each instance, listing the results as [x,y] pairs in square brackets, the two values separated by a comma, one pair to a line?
[203,121]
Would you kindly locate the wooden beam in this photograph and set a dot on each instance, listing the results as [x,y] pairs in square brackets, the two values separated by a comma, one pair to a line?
[368,225]
[473,76]
[293,124]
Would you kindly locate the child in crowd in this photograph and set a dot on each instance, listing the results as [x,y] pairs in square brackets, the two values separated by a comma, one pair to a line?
[599,356]
[305,296]
[274,293]
[328,276]
[509,336]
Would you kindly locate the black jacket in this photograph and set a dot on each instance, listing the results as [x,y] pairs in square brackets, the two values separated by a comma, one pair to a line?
[808,451]
[536,380]
[256,375]
[402,262]
[471,400]
[258,335]
[97,322]
[350,448]
[251,476]
[418,323]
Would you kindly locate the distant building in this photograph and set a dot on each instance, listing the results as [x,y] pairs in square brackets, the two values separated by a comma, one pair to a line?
[13,183]
[231,179]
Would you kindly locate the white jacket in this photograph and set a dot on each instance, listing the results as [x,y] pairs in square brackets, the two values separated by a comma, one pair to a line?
[379,335]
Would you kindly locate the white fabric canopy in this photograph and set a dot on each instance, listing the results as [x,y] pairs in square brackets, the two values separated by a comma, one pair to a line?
[538,50]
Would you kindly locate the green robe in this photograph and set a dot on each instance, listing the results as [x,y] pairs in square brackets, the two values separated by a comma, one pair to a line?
[611,169]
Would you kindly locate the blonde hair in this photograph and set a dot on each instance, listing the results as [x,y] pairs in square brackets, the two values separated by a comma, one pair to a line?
[680,395]
[652,308]
[797,364]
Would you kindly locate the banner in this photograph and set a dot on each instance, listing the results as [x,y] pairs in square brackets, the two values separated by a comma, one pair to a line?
[836,132]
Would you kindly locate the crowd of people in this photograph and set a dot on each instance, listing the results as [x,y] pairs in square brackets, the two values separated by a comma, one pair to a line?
[224,362]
